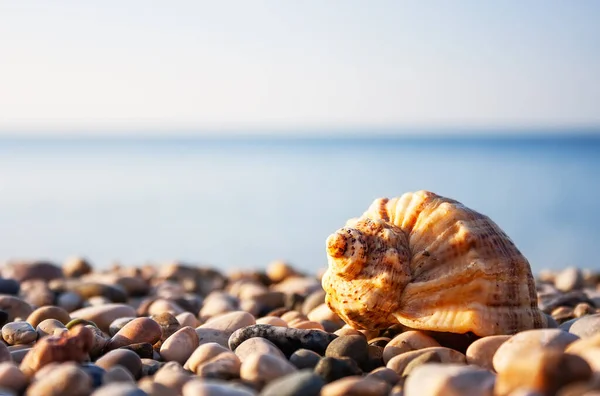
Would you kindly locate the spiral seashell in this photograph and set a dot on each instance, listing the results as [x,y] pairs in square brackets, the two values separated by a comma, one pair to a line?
[429,263]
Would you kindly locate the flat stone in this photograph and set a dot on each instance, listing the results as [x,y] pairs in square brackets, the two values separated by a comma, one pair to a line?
[257,345]
[104,315]
[260,369]
[300,383]
[122,357]
[411,340]
[332,369]
[481,352]
[444,355]
[586,326]
[356,386]
[435,379]
[353,346]
[304,359]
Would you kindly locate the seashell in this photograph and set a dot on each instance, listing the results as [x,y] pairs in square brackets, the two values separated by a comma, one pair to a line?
[429,263]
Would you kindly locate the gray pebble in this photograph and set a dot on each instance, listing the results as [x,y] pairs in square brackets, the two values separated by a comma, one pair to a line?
[301,383]
[305,359]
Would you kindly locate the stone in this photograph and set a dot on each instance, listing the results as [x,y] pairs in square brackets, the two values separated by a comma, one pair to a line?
[332,369]
[434,379]
[199,387]
[356,386]
[139,330]
[257,345]
[279,270]
[150,366]
[385,374]
[550,302]
[303,358]
[104,315]
[569,279]
[544,371]
[65,379]
[9,286]
[353,346]
[180,345]
[586,326]
[11,377]
[169,325]
[143,349]
[260,369]
[562,314]
[300,383]
[22,271]
[187,319]
[583,309]
[18,333]
[74,267]
[72,346]
[173,376]
[87,290]
[444,355]
[529,340]
[286,339]
[48,312]
[50,327]
[213,361]
[69,301]
[313,301]
[152,388]
[229,322]
[272,320]
[119,389]
[15,307]
[4,353]
[481,352]
[122,357]
[118,374]
[96,373]
[118,324]
[583,344]
[210,335]
[411,340]
[218,303]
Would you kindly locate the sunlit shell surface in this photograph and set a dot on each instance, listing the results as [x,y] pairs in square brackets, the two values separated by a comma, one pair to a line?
[429,263]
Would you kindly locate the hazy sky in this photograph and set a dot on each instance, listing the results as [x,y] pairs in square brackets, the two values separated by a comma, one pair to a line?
[268,65]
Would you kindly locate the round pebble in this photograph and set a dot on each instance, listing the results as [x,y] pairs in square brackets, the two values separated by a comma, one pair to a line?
[122,357]
[179,346]
[18,333]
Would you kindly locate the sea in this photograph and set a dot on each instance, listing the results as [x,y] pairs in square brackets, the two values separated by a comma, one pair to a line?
[240,203]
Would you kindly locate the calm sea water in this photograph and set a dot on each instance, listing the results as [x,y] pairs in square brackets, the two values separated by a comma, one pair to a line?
[234,204]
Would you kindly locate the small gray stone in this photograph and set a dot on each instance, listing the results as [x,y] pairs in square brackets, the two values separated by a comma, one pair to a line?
[354,347]
[331,369]
[305,359]
[301,383]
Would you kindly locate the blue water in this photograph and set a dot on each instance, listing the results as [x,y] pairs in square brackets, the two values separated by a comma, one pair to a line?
[243,203]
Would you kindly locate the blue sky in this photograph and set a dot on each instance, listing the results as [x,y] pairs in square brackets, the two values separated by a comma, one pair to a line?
[155,67]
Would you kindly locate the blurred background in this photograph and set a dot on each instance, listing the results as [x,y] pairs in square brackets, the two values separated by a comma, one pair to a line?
[233,133]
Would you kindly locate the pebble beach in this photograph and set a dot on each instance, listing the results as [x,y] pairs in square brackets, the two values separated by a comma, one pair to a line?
[184,329]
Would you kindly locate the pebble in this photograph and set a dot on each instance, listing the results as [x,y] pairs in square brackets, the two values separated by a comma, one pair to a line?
[214,361]
[48,312]
[169,325]
[279,270]
[140,330]
[586,326]
[122,357]
[50,327]
[444,355]
[210,335]
[272,320]
[313,301]
[303,358]
[353,346]
[144,350]
[65,379]
[541,370]
[179,346]
[173,376]
[15,307]
[74,267]
[22,271]
[187,319]
[481,352]
[569,279]
[95,372]
[117,374]
[69,301]
[9,286]
[73,346]
[356,386]
[152,388]
[385,374]
[286,339]
[198,387]
[435,379]
[229,322]
[11,377]
[528,340]
[104,315]
[411,340]
[260,369]
[257,345]
[300,383]
[331,369]
[583,344]
[118,324]
[4,353]
[18,333]
[119,389]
